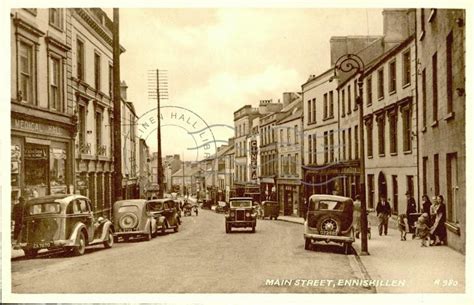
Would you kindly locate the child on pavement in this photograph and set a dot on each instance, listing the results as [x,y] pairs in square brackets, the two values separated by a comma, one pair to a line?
[403,226]
[423,230]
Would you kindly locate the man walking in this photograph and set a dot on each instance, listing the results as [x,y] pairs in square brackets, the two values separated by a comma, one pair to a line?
[384,211]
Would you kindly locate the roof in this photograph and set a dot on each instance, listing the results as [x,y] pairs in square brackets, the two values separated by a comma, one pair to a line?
[295,112]
[60,198]
[139,202]
[329,197]
[187,172]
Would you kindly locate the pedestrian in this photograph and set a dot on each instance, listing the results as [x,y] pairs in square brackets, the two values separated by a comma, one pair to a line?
[426,207]
[356,216]
[423,230]
[305,208]
[384,211]
[438,230]
[18,213]
[411,213]
[403,226]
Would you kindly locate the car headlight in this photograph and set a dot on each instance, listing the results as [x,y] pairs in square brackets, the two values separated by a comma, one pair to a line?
[232,214]
[247,214]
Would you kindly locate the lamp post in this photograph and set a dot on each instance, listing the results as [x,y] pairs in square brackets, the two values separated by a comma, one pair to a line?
[353,63]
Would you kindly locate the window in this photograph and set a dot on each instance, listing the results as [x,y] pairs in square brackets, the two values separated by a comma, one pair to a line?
[55,83]
[406,129]
[343,102]
[331,144]
[425,175]
[349,99]
[56,17]
[393,131]
[449,71]
[281,137]
[288,138]
[82,125]
[369,139]
[380,80]
[356,142]
[325,105]
[355,94]
[381,134]
[314,110]
[452,187]
[434,61]
[296,166]
[422,21]
[309,112]
[423,98]
[331,104]
[349,144]
[80,60]
[98,131]
[436,174]
[371,190]
[326,151]
[369,90]
[432,15]
[410,185]
[395,193]
[343,145]
[315,154]
[111,81]
[27,71]
[310,149]
[406,68]
[392,69]
[297,134]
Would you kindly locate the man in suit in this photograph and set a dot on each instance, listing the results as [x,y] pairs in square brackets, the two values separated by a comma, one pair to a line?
[411,212]
[384,211]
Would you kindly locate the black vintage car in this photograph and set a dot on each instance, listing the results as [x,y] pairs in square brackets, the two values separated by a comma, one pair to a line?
[329,219]
[63,222]
[168,208]
[241,214]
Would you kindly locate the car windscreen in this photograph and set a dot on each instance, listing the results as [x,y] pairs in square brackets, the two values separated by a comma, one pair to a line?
[155,206]
[326,205]
[241,204]
[128,209]
[44,208]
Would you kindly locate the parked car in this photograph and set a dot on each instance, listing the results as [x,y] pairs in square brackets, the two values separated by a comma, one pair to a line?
[167,208]
[63,222]
[241,214]
[329,219]
[271,209]
[136,218]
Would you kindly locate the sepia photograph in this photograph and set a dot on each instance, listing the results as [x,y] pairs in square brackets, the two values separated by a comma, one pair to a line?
[235,153]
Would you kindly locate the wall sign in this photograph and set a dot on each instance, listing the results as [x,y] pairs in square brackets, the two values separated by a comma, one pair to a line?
[40,128]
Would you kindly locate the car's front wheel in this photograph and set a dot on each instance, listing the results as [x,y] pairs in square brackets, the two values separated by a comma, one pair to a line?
[80,247]
[109,240]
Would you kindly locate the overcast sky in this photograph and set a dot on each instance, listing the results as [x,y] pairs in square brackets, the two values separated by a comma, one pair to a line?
[221,59]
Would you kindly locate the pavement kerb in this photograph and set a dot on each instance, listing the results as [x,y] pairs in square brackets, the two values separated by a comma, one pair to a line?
[362,269]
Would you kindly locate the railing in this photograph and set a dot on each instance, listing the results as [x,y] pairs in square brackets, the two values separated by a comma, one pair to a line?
[85,148]
[102,150]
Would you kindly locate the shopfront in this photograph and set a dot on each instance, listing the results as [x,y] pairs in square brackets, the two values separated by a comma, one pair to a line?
[41,158]
[290,197]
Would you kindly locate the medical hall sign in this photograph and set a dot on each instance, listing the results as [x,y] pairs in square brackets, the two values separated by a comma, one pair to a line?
[253,160]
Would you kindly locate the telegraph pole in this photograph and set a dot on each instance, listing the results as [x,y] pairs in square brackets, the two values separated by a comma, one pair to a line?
[117,99]
[157,88]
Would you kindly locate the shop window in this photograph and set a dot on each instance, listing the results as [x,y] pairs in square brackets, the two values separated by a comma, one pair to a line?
[36,177]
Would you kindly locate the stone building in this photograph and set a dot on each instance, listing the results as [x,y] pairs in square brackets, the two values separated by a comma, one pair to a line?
[441,48]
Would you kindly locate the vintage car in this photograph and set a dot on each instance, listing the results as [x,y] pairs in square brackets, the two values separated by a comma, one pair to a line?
[271,209]
[166,207]
[241,214]
[329,219]
[63,222]
[136,218]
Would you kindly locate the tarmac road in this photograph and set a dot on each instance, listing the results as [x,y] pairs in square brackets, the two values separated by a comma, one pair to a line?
[200,258]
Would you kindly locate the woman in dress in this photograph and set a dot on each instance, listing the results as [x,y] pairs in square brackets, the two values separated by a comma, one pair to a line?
[438,212]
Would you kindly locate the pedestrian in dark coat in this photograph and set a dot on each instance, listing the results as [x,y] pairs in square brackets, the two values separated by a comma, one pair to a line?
[426,206]
[18,213]
[384,211]
[411,210]
[438,212]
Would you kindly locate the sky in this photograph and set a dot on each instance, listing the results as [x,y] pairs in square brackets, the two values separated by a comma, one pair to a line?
[218,60]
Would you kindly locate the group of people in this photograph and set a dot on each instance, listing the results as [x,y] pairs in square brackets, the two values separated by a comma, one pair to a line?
[428,225]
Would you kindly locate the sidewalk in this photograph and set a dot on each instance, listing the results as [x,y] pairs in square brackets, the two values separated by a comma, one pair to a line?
[420,269]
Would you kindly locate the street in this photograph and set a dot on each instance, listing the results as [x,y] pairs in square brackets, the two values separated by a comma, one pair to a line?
[200,258]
